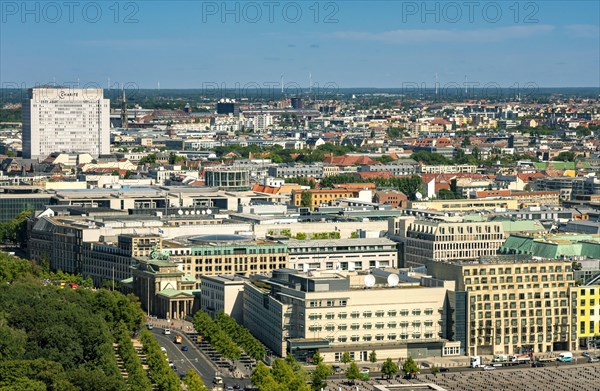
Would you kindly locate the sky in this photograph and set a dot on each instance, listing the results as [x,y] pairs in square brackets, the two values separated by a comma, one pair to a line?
[241,44]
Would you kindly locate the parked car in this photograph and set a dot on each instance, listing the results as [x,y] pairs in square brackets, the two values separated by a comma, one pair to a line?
[587,354]
[488,368]
[149,326]
[337,368]
[444,369]
[538,364]
[593,359]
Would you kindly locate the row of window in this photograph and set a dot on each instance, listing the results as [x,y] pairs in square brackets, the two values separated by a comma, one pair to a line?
[368,326]
[517,270]
[365,314]
[381,337]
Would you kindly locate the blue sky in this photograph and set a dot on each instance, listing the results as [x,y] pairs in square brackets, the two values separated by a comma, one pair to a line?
[188,44]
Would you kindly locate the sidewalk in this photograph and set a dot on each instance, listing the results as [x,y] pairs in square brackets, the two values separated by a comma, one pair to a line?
[183,326]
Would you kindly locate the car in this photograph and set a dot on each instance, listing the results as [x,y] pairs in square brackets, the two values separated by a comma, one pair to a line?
[149,326]
[337,368]
[586,354]
[488,368]
[444,369]
[162,349]
[184,348]
[538,364]
[229,388]
[167,331]
[593,359]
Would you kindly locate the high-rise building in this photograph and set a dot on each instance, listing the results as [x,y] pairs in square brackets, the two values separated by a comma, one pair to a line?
[66,120]
[297,103]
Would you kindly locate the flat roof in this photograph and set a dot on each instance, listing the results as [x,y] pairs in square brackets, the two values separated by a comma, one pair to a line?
[295,243]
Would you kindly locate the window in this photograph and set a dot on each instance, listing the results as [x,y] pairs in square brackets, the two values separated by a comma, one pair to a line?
[367,314]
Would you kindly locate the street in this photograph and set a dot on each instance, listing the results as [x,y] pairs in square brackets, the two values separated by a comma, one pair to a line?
[192,359]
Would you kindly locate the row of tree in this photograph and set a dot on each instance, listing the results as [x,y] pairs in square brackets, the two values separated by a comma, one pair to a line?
[218,338]
[241,336]
[159,370]
[137,379]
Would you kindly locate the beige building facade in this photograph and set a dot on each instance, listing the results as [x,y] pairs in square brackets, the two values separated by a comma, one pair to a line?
[507,306]
[335,313]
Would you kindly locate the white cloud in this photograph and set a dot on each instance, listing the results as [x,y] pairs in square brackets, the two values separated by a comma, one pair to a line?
[583,30]
[498,34]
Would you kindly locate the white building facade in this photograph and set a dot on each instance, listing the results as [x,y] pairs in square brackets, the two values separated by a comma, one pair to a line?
[66,120]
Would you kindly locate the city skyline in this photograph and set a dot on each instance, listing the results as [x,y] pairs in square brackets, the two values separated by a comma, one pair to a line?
[348,44]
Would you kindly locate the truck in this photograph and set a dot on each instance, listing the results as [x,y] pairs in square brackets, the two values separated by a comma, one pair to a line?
[177,339]
[500,358]
[475,362]
[565,357]
[520,358]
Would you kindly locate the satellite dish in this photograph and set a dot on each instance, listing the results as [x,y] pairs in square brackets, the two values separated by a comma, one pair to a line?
[187,212]
[418,195]
[179,212]
[393,280]
[369,280]
[208,211]
[203,212]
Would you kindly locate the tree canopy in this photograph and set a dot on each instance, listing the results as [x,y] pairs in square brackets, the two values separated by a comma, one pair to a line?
[62,339]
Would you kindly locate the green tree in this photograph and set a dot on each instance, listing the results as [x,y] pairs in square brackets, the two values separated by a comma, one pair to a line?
[346,358]
[435,370]
[193,381]
[320,375]
[565,156]
[373,357]
[12,342]
[317,358]
[353,373]
[15,230]
[389,368]
[410,367]
[306,199]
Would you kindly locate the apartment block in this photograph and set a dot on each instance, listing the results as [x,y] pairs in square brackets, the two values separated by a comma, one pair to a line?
[510,305]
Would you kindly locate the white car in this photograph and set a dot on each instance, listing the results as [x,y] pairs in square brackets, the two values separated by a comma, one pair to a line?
[167,331]
[488,368]
[594,359]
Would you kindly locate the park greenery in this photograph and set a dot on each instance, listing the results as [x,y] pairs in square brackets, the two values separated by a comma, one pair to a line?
[54,338]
